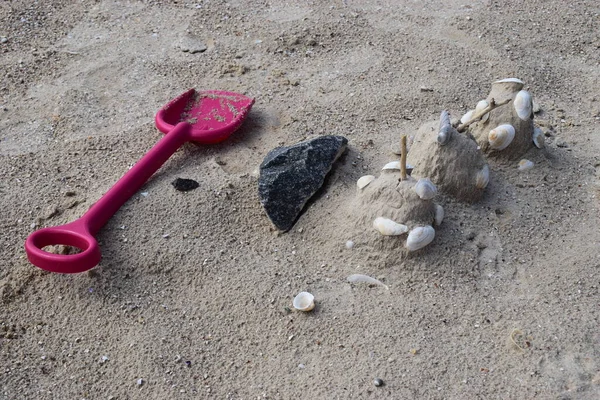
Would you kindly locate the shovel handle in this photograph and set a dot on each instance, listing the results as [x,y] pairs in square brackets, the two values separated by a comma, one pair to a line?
[80,233]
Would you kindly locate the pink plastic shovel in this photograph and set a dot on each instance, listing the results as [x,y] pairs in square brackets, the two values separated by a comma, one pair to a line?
[203,117]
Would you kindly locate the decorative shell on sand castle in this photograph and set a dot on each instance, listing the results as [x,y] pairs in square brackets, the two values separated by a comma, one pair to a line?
[397,209]
[450,159]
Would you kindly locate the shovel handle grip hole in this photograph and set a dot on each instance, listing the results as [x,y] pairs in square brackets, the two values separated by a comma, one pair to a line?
[59,249]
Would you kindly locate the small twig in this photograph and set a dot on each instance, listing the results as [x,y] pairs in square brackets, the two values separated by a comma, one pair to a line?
[403,158]
[477,116]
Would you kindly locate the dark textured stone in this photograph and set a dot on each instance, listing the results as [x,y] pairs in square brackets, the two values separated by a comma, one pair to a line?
[184,185]
[290,176]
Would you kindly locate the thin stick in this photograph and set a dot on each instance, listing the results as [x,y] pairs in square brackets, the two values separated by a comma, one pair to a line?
[403,158]
[477,117]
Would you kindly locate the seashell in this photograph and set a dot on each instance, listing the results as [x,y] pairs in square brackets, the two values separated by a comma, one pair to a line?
[360,278]
[420,237]
[444,119]
[444,134]
[483,177]
[481,104]
[467,117]
[501,136]
[524,165]
[439,215]
[304,301]
[425,189]
[392,165]
[349,244]
[387,227]
[523,105]
[364,181]
[510,80]
[538,138]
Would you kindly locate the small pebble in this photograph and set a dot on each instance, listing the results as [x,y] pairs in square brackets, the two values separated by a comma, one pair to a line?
[377,382]
[185,185]
[349,244]
[140,382]
[301,366]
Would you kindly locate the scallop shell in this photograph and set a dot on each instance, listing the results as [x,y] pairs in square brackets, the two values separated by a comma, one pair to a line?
[304,301]
[425,189]
[467,117]
[481,104]
[387,227]
[364,181]
[420,237]
[524,165]
[523,105]
[439,215]
[483,177]
[538,138]
[501,136]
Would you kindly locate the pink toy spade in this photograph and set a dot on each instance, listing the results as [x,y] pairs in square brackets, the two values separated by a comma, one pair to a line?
[203,117]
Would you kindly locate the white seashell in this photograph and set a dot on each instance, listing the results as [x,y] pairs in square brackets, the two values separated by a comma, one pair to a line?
[538,138]
[510,80]
[364,181]
[501,136]
[387,227]
[439,215]
[483,177]
[304,301]
[524,165]
[359,278]
[425,189]
[420,237]
[349,244]
[523,105]
[480,106]
[467,117]
[392,165]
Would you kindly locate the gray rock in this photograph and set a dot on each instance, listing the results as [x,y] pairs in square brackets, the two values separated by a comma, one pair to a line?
[191,44]
[290,176]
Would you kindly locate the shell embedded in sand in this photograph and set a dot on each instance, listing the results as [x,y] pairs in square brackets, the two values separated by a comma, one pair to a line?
[304,301]
[501,136]
[523,105]
[510,80]
[392,165]
[482,104]
[524,165]
[387,227]
[467,117]
[364,181]
[420,237]
[483,177]
[445,130]
[538,138]
[439,215]
[425,189]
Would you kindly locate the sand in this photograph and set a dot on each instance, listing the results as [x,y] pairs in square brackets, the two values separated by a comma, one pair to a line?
[192,298]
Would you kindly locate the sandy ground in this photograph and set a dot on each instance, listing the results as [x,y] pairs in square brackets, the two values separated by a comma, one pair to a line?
[205,311]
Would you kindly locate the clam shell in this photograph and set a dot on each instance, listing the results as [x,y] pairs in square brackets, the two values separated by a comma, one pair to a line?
[538,138]
[524,165]
[510,80]
[304,301]
[481,104]
[439,215]
[501,136]
[523,105]
[392,165]
[387,227]
[420,237]
[425,189]
[364,181]
[467,117]
[483,177]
